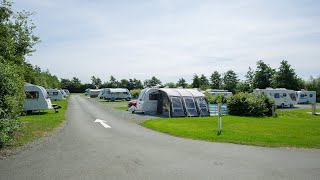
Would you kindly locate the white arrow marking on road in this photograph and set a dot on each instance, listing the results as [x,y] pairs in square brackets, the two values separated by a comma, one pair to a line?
[103,123]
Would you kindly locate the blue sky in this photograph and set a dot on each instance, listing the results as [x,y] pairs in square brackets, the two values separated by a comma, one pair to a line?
[173,39]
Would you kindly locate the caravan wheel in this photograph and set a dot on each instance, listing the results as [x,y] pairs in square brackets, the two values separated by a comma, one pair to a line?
[282,105]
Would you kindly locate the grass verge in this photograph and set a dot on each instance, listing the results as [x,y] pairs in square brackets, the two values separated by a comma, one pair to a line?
[294,128]
[121,108]
[36,125]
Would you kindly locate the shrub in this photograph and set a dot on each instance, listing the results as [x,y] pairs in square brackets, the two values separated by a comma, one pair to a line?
[11,99]
[215,99]
[245,104]
[135,93]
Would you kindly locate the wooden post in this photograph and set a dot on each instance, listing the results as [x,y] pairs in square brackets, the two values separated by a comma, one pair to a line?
[274,111]
[314,108]
[219,119]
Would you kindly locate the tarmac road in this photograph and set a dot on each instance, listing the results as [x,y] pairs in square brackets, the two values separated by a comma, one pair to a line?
[85,149]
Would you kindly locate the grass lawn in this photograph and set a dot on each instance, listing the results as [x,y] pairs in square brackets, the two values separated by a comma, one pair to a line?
[114,102]
[294,128]
[122,108]
[36,125]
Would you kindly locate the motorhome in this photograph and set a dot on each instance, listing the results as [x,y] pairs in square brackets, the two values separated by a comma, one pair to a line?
[306,97]
[55,94]
[112,94]
[171,102]
[282,97]
[36,98]
[219,91]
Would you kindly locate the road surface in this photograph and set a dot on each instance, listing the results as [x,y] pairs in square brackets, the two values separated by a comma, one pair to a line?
[85,149]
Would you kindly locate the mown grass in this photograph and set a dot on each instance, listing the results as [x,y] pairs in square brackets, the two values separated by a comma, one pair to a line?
[36,125]
[294,128]
[121,108]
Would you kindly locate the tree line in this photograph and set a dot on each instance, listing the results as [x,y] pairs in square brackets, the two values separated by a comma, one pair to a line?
[16,43]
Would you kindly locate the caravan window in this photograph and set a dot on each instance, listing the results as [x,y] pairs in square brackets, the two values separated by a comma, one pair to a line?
[153,96]
[32,95]
[311,95]
[293,96]
[55,93]
[176,104]
[284,95]
[276,95]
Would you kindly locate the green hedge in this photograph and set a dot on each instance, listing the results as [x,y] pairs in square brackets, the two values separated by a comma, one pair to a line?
[215,99]
[11,99]
[245,104]
[135,93]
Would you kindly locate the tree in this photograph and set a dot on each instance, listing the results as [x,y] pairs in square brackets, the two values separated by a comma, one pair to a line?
[263,75]
[285,77]
[182,83]
[170,85]
[124,84]
[113,83]
[313,84]
[152,82]
[249,77]
[195,81]
[96,81]
[230,80]
[215,79]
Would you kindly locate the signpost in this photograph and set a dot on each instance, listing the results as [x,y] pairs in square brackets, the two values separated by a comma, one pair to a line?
[219,119]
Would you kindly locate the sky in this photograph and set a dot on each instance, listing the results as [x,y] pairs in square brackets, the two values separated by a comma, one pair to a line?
[173,39]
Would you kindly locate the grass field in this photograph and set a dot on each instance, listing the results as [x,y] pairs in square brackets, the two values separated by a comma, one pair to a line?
[36,125]
[294,128]
[122,108]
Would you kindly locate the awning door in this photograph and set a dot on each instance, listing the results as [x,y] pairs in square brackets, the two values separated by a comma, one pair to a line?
[203,106]
[190,106]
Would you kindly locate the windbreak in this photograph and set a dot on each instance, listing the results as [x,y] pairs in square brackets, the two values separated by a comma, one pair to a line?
[177,107]
[203,107]
[190,107]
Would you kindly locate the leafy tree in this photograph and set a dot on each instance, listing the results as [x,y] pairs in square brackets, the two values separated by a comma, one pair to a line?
[124,84]
[170,85]
[243,87]
[285,77]
[96,81]
[230,80]
[152,82]
[215,80]
[196,81]
[263,75]
[182,83]
[76,83]
[203,80]
[313,84]
[249,78]
[135,84]
[113,83]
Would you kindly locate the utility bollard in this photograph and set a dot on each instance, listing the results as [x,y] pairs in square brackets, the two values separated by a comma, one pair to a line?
[273,111]
[219,119]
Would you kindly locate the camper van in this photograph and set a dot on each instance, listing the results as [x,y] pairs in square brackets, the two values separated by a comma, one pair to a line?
[171,102]
[306,97]
[219,91]
[282,97]
[55,95]
[36,98]
[111,94]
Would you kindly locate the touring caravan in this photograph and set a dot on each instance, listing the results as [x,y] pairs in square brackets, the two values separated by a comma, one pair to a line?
[219,91]
[66,91]
[111,94]
[306,97]
[282,97]
[172,102]
[64,94]
[36,98]
[55,95]
[93,93]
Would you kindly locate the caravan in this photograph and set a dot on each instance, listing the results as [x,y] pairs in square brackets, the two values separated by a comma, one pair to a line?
[282,97]
[219,91]
[55,95]
[36,98]
[306,97]
[92,93]
[172,102]
[112,94]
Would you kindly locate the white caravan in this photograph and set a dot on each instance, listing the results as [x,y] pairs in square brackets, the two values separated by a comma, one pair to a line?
[66,91]
[172,102]
[307,97]
[112,94]
[64,94]
[282,97]
[36,98]
[219,91]
[55,95]
[93,93]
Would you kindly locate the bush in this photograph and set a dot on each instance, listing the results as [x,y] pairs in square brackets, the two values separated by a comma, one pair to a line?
[135,93]
[11,99]
[245,104]
[215,99]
